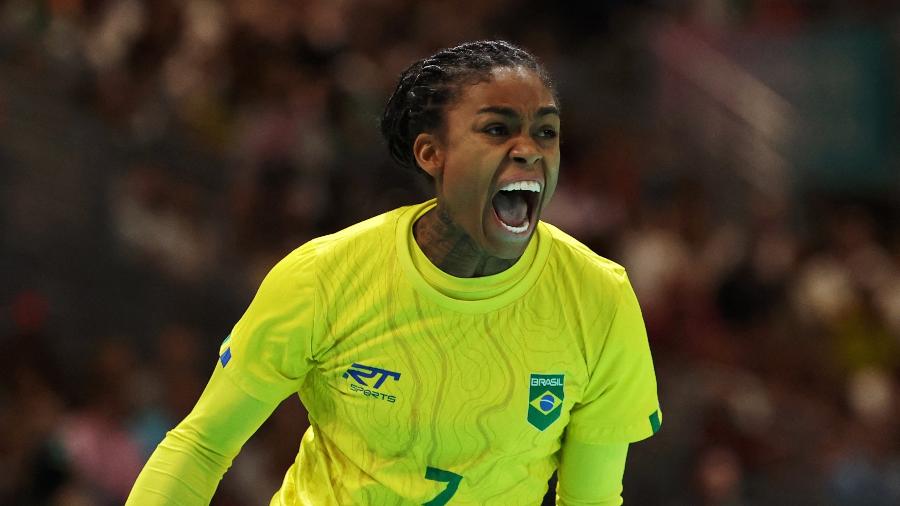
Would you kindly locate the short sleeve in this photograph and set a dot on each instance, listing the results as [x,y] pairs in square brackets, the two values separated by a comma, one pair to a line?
[268,353]
[620,403]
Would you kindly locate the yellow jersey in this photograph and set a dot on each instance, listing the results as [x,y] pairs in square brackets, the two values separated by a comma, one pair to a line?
[424,388]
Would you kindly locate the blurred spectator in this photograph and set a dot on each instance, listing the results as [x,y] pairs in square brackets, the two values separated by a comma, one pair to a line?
[159,223]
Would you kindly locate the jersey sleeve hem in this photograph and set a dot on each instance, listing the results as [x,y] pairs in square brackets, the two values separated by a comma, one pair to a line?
[630,433]
[258,390]
[269,351]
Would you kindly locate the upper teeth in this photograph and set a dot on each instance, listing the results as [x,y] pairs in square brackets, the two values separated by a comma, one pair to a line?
[532,186]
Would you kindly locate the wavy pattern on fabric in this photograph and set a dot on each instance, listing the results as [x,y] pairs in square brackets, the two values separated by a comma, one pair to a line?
[405,370]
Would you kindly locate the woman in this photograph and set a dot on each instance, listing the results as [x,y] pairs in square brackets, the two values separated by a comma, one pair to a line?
[454,351]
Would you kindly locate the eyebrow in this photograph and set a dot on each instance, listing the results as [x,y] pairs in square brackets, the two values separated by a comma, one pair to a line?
[511,113]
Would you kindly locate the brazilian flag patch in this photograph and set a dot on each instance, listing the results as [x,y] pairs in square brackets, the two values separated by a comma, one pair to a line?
[546,394]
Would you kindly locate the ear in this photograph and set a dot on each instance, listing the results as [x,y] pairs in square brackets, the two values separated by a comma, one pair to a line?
[429,154]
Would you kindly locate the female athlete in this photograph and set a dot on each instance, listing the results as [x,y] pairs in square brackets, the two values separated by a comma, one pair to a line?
[456,351]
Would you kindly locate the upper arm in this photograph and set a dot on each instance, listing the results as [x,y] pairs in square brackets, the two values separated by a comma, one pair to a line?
[188,464]
[224,417]
[264,359]
[590,474]
[620,402]
[270,349]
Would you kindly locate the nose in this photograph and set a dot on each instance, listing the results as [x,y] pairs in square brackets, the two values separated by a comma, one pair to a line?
[525,152]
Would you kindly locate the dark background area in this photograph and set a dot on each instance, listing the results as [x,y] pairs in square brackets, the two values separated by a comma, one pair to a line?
[738,157]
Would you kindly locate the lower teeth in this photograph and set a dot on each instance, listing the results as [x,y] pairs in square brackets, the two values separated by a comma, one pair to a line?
[517,230]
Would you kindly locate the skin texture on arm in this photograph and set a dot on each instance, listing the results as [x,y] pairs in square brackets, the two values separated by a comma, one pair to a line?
[591,474]
[188,464]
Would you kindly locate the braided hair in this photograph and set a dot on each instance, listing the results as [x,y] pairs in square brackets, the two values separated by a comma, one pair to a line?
[429,85]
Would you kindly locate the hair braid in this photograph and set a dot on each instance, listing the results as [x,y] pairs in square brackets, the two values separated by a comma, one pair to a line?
[427,86]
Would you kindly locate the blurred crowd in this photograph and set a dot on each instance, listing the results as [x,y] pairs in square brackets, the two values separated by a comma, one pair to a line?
[158,157]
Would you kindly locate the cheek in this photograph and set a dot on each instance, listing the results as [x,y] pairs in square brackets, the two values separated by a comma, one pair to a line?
[459,184]
[549,190]
[552,177]
[467,178]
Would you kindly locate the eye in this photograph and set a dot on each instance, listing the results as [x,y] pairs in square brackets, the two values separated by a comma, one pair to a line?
[496,130]
[548,133]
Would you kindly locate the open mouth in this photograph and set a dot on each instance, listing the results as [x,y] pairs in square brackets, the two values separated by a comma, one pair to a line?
[515,204]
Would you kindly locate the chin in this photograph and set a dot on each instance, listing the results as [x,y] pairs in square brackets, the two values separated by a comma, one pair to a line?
[508,251]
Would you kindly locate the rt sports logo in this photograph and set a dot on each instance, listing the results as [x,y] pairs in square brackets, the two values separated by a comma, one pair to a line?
[360,373]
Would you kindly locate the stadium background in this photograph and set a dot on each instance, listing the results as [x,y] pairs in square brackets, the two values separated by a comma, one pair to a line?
[739,157]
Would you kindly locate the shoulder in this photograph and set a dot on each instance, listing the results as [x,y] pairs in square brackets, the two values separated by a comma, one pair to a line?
[359,242]
[374,227]
[571,257]
[373,232]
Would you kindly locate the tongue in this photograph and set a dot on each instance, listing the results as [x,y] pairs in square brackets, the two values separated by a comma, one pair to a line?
[511,208]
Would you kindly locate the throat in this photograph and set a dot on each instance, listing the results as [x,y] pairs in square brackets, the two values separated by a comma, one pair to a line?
[450,249]
[511,207]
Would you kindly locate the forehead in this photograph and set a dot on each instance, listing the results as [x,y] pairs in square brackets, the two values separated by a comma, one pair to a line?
[518,88]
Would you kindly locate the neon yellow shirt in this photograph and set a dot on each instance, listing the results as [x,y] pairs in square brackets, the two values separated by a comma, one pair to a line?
[423,388]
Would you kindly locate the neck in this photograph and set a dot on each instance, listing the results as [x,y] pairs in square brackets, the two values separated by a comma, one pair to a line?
[451,250]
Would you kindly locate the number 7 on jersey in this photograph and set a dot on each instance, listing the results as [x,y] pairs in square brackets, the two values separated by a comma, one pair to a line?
[452,480]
